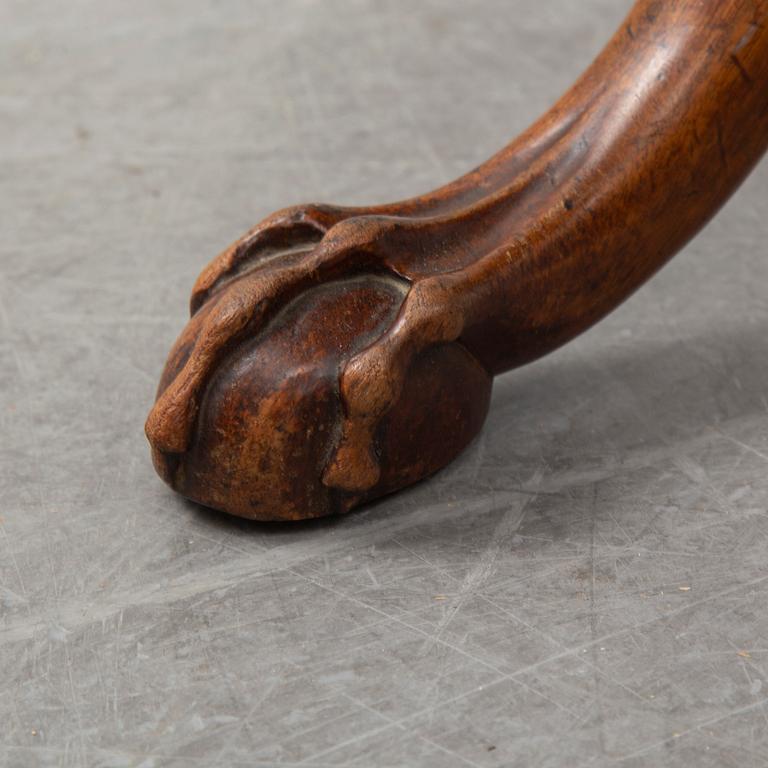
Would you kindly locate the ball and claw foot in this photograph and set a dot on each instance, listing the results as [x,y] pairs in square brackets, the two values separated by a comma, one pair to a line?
[245,291]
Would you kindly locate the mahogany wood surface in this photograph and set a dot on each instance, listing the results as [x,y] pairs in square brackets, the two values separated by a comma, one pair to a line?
[337,354]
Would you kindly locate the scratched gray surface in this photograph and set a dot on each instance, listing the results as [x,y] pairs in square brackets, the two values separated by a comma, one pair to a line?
[587,586]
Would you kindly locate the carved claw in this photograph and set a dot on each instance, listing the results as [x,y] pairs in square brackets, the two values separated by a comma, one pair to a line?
[374,379]
[299,227]
[247,305]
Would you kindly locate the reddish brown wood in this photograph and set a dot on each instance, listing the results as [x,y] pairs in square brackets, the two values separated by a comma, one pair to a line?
[338,354]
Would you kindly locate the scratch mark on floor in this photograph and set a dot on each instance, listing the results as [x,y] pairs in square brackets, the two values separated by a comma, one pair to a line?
[500,538]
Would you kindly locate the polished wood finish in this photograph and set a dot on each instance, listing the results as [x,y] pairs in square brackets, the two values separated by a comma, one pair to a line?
[337,354]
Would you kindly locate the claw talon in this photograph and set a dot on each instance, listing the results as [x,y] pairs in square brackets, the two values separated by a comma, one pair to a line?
[373,380]
[289,230]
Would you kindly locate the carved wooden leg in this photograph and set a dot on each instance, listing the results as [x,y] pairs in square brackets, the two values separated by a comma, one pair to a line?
[337,354]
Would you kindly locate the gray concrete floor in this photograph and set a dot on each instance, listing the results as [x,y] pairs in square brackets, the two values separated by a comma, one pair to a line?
[586,586]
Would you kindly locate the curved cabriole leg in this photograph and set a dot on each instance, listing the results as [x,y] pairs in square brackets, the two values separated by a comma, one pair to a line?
[337,354]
